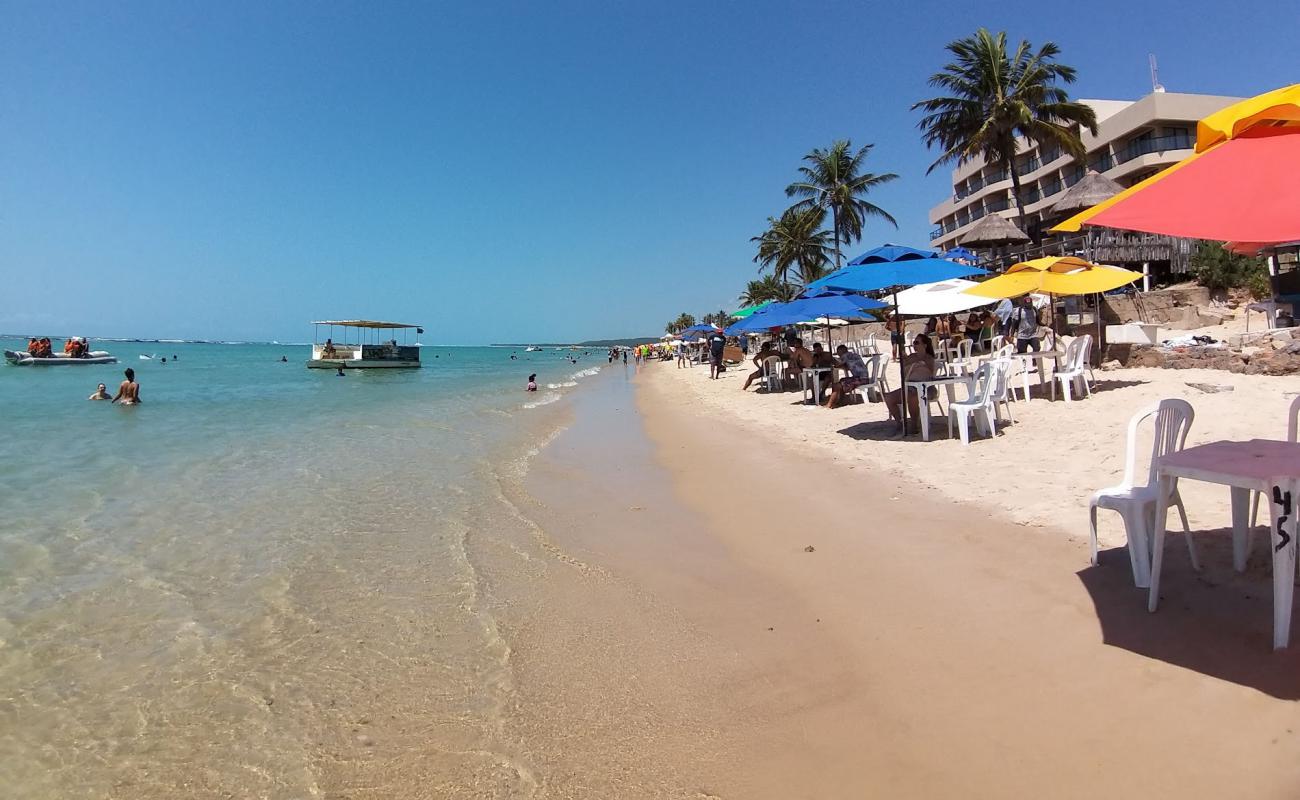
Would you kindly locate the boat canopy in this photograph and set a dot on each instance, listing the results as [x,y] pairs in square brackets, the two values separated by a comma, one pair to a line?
[362,323]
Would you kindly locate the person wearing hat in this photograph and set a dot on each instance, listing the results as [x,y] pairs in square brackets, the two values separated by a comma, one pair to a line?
[1023,325]
[717,342]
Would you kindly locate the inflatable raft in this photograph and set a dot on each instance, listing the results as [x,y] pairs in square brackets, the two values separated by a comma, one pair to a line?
[21,358]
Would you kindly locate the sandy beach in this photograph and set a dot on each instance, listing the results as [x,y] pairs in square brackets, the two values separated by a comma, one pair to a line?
[859,617]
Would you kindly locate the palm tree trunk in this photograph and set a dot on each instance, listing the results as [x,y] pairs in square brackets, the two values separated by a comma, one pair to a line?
[1015,193]
[835,221]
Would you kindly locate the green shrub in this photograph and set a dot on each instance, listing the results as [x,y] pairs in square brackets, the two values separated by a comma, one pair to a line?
[1218,269]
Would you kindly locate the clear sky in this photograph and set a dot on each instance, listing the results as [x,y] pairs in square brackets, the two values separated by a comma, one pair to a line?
[531,171]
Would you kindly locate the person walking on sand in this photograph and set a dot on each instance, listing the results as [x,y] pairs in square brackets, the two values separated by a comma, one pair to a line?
[1023,322]
[717,344]
[129,391]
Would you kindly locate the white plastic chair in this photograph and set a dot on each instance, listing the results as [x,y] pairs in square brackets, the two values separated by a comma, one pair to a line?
[979,406]
[877,377]
[1001,390]
[1137,504]
[1292,435]
[774,373]
[1017,374]
[1072,375]
[961,359]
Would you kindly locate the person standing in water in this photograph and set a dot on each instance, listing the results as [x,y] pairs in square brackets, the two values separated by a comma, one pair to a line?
[101,393]
[532,383]
[129,391]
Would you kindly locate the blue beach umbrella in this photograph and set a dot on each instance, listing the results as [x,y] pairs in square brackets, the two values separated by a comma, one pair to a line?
[701,328]
[891,252]
[835,306]
[882,275]
[960,252]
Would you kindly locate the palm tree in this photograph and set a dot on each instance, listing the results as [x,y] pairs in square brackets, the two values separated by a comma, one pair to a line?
[767,288]
[795,241]
[833,179]
[992,98]
[680,324]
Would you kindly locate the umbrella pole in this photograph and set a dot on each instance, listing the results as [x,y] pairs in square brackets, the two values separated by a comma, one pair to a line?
[902,371]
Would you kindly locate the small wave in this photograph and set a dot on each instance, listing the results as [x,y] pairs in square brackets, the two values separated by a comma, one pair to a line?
[583,373]
[544,400]
[564,385]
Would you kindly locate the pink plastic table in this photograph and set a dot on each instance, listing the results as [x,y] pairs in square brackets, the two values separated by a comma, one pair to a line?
[1265,465]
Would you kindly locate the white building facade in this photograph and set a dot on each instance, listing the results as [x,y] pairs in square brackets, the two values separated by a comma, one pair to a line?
[1135,139]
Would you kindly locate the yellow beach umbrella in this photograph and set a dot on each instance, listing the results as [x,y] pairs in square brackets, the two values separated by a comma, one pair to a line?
[1056,275]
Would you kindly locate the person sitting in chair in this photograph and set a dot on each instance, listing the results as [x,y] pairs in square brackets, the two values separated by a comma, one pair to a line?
[858,375]
[917,366]
[764,353]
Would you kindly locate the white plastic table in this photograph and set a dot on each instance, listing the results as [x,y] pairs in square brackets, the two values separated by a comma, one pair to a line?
[1265,465]
[1041,356]
[815,373]
[923,387]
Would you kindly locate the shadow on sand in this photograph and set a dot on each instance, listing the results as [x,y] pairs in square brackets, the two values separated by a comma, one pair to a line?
[1044,391]
[1215,622]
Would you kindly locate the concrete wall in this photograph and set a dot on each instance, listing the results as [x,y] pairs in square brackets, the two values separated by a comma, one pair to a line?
[1173,309]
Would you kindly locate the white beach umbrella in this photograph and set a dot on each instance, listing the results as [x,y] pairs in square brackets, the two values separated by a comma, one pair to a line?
[935,299]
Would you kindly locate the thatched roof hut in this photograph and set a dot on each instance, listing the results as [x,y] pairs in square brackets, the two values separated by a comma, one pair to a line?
[1091,189]
[991,231]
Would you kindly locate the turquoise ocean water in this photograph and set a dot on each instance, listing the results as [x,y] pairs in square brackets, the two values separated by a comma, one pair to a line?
[212,593]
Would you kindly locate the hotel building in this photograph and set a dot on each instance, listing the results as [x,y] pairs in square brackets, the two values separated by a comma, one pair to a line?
[1135,139]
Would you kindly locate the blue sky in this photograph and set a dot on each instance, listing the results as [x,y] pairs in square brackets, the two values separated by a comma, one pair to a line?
[495,171]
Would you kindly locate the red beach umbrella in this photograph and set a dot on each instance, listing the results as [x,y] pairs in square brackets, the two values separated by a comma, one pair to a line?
[1238,186]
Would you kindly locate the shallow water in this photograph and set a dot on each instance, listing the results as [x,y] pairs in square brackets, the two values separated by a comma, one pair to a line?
[257,582]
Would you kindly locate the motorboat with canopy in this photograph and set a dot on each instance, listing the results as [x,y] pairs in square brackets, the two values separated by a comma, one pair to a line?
[364,344]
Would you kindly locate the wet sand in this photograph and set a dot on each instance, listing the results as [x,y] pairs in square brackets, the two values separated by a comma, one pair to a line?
[693,646]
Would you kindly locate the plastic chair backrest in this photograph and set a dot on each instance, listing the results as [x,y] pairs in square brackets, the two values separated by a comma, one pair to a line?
[965,348]
[771,365]
[1173,418]
[986,383]
[1293,422]
[873,363]
[1003,367]
[1072,355]
[1005,351]
[1082,346]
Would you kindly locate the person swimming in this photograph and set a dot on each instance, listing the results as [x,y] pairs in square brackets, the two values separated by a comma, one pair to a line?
[284,359]
[341,374]
[101,393]
[532,383]
[129,391]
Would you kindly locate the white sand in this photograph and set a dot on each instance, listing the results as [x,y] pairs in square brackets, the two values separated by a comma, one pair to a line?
[1039,471]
